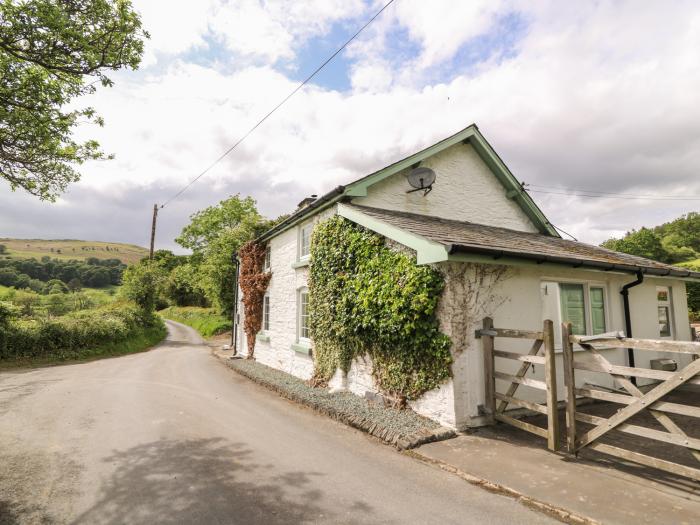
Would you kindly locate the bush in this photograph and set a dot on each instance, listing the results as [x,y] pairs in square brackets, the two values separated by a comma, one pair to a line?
[143,283]
[71,335]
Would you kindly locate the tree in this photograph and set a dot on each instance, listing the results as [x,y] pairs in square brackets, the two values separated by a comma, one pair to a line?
[206,225]
[3,249]
[143,283]
[643,243]
[214,235]
[51,53]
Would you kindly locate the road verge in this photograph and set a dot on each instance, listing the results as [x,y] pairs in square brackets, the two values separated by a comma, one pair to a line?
[404,429]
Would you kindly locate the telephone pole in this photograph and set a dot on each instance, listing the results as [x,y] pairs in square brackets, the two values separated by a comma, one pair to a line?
[153,230]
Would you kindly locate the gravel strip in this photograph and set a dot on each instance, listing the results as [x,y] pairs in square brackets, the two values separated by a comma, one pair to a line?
[402,428]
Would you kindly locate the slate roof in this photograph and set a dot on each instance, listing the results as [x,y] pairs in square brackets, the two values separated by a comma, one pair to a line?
[468,237]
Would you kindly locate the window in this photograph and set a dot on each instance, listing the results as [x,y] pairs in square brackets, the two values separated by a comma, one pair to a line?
[305,241]
[303,313]
[581,304]
[663,298]
[573,307]
[266,313]
[268,253]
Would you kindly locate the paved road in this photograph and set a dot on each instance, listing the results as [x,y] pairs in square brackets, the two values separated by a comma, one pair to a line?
[174,436]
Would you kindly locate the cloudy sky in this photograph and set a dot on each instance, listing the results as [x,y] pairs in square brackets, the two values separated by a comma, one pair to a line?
[600,96]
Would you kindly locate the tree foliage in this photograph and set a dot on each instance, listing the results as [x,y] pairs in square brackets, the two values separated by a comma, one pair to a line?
[366,299]
[50,54]
[143,284]
[675,242]
[214,235]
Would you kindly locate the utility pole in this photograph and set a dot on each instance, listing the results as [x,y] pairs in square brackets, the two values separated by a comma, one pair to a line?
[153,229]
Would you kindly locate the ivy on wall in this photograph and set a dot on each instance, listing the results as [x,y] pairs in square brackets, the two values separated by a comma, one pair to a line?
[253,282]
[366,299]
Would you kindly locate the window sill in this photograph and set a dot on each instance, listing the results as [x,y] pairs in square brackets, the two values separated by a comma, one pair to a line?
[301,348]
[300,264]
[265,338]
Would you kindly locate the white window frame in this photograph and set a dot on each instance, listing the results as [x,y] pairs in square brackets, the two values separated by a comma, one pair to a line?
[302,340]
[587,285]
[668,304]
[266,314]
[268,256]
[309,226]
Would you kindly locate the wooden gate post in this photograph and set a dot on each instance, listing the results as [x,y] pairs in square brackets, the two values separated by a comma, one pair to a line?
[489,368]
[570,382]
[550,373]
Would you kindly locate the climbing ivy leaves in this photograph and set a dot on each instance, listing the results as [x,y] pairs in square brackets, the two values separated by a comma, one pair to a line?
[367,300]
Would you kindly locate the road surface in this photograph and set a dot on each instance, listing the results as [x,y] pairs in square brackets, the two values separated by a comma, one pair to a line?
[174,436]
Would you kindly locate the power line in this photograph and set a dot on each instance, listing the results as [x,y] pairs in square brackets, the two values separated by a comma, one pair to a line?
[607,195]
[285,99]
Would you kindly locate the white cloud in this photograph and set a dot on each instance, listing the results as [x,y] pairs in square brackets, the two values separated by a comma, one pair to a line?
[599,96]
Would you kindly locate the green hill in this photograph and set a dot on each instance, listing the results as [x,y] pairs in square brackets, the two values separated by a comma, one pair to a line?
[72,249]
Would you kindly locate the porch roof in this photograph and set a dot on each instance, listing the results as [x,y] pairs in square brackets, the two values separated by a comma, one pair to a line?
[471,238]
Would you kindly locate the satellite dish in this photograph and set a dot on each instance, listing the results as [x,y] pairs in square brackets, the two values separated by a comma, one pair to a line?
[421,179]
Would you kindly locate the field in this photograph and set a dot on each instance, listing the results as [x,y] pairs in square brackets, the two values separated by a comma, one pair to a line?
[72,249]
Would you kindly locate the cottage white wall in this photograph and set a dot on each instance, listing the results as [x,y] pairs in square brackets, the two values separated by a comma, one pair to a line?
[523,309]
[465,190]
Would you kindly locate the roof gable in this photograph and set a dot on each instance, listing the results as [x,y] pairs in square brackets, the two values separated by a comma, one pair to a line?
[469,135]
[472,136]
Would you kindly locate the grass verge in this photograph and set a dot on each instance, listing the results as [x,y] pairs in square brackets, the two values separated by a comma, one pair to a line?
[142,340]
[207,321]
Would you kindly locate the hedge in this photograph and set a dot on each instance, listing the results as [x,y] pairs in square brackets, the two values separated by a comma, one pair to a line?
[65,337]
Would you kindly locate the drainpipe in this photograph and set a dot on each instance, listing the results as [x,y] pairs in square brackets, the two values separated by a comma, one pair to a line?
[234,310]
[628,321]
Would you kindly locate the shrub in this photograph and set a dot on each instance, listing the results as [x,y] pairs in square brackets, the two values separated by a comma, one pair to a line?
[67,336]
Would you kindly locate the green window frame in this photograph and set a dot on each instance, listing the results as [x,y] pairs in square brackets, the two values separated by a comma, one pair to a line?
[573,306]
[582,304]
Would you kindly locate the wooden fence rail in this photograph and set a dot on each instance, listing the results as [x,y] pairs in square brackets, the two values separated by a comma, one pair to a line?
[633,400]
[543,340]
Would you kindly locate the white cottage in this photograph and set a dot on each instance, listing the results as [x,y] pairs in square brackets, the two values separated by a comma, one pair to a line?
[500,257]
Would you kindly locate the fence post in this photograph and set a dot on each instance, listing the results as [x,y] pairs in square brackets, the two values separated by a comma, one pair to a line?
[570,382]
[489,367]
[550,373]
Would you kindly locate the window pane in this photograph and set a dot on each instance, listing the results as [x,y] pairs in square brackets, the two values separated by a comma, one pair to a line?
[597,298]
[304,315]
[664,324]
[266,264]
[573,308]
[662,294]
[305,241]
[266,312]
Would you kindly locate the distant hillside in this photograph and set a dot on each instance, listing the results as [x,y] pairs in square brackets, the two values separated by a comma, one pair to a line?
[72,249]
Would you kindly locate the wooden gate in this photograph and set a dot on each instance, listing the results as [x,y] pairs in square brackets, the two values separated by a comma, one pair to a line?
[633,400]
[542,353]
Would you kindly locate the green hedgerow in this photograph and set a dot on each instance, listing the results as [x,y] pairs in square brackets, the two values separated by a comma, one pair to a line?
[366,299]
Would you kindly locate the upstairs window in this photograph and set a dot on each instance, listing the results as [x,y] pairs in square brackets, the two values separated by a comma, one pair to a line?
[305,241]
[266,262]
